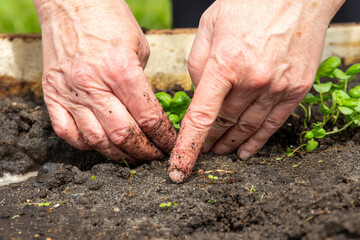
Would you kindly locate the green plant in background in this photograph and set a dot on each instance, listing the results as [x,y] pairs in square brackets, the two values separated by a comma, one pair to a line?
[19,16]
[176,107]
[334,100]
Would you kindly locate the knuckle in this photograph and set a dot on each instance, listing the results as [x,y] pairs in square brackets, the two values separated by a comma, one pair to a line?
[259,77]
[95,139]
[248,127]
[272,124]
[299,91]
[120,136]
[200,120]
[225,122]
[150,124]
[83,77]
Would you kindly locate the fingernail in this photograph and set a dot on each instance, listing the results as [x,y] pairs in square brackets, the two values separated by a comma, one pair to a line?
[244,155]
[177,175]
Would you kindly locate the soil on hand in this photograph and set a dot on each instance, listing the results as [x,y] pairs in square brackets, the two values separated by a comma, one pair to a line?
[81,195]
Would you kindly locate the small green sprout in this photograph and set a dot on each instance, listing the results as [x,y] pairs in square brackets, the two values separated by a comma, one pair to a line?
[176,107]
[133,172]
[295,165]
[92,177]
[253,189]
[213,178]
[321,161]
[211,201]
[168,205]
[45,204]
[15,216]
[334,99]
[263,195]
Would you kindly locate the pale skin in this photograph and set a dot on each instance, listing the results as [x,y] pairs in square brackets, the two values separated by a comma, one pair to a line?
[252,62]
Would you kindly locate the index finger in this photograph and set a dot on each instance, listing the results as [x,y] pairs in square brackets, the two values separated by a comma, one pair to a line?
[203,110]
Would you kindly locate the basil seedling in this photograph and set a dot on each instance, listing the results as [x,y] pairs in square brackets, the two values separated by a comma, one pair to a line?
[334,99]
[176,107]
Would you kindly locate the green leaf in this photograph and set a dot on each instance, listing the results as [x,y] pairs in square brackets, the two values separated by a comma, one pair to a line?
[323,87]
[317,125]
[174,118]
[328,66]
[92,177]
[180,99]
[351,102]
[346,110]
[192,88]
[339,96]
[176,126]
[164,99]
[311,145]
[319,132]
[355,92]
[309,135]
[339,74]
[354,69]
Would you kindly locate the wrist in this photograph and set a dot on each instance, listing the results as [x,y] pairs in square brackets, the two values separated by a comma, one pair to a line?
[49,9]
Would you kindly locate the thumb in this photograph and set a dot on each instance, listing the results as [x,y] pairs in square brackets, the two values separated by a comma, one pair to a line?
[197,122]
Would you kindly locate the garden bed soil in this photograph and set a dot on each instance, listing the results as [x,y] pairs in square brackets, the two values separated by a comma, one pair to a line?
[82,195]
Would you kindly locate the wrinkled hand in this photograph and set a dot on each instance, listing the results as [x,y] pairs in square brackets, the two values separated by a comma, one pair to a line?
[252,62]
[94,85]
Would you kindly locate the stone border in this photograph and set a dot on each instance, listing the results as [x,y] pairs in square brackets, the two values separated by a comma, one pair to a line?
[21,57]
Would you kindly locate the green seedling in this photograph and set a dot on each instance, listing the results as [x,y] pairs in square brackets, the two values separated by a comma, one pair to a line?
[253,189]
[263,195]
[212,178]
[133,172]
[334,99]
[168,205]
[15,216]
[211,201]
[176,107]
[92,177]
[44,204]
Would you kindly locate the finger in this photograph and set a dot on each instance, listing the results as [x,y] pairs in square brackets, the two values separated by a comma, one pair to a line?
[200,50]
[201,114]
[95,136]
[273,122]
[64,125]
[229,113]
[121,128]
[132,88]
[249,123]
[251,84]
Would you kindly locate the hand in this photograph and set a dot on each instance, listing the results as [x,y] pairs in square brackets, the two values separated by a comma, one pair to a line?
[94,85]
[252,62]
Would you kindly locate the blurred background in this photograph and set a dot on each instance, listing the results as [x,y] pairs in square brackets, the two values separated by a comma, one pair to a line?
[19,16]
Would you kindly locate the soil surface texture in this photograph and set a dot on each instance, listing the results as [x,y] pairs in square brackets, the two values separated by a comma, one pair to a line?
[81,195]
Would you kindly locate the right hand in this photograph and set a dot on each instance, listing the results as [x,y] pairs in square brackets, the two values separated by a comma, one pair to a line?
[94,85]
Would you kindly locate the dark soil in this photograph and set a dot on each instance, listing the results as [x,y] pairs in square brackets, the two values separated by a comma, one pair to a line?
[308,196]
